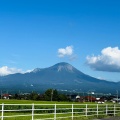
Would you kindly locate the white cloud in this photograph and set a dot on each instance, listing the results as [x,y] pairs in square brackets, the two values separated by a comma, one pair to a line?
[68,51]
[109,60]
[5,70]
[28,71]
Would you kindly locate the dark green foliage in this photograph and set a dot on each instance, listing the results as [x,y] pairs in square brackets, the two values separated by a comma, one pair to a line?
[34,96]
[51,95]
[63,97]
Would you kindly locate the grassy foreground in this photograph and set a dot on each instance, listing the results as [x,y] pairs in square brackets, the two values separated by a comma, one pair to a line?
[13,101]
[35,102]
[49,113]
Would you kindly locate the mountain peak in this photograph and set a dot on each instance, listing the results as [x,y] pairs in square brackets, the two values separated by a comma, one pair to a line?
[36,70]
[64,66]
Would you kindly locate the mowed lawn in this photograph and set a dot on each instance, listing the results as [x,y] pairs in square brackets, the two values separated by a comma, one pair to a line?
[13,101]
[49,115]
[67,106]
[35,102]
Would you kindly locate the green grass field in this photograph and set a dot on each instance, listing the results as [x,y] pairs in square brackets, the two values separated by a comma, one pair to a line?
[12,101]
[31,101]
[79,107]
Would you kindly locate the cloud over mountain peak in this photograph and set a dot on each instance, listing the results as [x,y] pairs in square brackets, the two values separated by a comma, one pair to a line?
[68,51]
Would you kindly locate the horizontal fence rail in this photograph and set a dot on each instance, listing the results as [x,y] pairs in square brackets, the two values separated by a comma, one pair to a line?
[56,111]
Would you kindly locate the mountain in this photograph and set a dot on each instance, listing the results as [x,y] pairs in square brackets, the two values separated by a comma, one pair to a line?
[61,76]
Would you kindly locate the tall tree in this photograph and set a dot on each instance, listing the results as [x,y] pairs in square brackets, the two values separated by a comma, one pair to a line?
[51,95]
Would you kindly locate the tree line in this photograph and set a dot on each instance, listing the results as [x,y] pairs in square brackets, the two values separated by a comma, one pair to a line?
[48,95]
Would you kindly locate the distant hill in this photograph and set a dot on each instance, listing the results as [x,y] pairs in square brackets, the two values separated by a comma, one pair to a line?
[61,76]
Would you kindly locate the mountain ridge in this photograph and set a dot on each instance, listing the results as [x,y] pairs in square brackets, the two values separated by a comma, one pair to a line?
[62,76]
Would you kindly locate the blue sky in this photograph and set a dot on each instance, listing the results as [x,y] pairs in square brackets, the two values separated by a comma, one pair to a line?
[41,33]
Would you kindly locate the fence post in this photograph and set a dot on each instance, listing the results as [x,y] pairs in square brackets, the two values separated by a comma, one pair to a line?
[2,115]
[97,110]
[72,112]
[114,109]
[33,111]
[55,112]
[106,109]
[86,110]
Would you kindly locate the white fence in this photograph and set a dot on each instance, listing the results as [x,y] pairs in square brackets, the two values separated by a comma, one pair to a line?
[56,111]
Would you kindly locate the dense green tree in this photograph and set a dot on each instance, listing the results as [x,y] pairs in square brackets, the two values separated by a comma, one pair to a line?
[16,96]
[63,97]
[33,96]
[55,95]
[51,95]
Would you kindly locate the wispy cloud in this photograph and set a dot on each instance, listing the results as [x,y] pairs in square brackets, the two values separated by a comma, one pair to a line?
[63,52]
[73,57]
[5,70]
[109,60]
